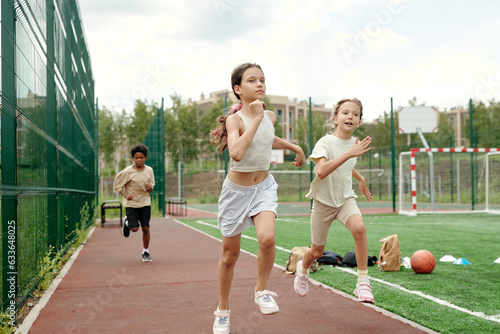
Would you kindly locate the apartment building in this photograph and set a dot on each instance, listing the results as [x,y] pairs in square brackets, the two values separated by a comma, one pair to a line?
[457,117]
[288,111]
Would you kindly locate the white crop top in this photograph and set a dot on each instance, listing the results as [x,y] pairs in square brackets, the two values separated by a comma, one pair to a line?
[258,154]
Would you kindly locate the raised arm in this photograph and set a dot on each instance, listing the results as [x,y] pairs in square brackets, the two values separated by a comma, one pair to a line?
[325,168]
[239,139]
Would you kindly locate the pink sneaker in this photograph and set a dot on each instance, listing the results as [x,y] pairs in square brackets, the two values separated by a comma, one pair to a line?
[364,291]
[221,323]
[301,282]
[266,301]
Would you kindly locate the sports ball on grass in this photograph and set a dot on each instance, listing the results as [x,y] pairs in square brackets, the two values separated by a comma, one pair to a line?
[422,262]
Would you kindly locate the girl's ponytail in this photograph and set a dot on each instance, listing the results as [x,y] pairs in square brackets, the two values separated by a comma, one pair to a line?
[219,134]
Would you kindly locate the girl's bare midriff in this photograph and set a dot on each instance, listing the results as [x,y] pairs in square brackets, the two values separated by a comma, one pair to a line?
[248,178]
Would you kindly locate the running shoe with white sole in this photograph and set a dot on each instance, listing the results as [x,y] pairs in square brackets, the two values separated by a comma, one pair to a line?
[221,323]
[301,282]
[266,301]
[146,257]
[364,291]
[125,228]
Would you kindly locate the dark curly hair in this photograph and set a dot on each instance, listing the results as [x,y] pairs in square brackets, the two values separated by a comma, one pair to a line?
[139,148]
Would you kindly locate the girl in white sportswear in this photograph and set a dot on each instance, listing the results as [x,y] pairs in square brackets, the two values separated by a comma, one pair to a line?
[333,197]
[249,193]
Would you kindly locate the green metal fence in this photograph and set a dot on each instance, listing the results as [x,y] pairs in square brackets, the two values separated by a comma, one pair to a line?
[155,141]
[48,138]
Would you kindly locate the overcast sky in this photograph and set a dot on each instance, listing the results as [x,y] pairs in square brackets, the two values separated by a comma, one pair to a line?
[442,52]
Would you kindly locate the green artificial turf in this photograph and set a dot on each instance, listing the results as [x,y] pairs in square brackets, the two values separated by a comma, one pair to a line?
[474,287]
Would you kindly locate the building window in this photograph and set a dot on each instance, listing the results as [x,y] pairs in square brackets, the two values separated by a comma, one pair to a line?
[279,115]
[290,117]
[452,121]
[290,134]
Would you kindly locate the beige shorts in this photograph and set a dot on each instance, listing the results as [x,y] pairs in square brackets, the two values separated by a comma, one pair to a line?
[322,217]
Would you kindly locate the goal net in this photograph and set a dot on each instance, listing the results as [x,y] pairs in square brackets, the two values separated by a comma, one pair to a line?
[463,180]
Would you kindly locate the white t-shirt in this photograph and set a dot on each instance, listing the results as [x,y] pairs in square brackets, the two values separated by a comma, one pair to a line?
[336,188]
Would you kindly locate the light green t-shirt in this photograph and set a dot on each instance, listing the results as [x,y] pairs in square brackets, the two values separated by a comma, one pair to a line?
[336,188]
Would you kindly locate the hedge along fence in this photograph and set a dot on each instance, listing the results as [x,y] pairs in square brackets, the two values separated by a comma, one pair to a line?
[48,139]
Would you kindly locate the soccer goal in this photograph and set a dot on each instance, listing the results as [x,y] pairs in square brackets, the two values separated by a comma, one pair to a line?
[464,180]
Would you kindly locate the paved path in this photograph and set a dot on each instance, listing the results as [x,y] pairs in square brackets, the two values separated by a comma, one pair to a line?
[108,289]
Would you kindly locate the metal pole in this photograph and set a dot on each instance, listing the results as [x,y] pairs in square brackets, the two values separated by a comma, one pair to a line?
[179,181]
[431,167]
[379,167]
[472,153]
[393,159]
[451,168]
[161,164]
[458,181]
[370,174]
[310,141]
[226,153]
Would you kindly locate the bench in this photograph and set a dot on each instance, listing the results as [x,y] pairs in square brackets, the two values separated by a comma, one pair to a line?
[110,205]
[176,207]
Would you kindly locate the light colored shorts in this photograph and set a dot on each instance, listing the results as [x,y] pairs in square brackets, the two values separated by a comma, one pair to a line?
[238,204]
[322,217]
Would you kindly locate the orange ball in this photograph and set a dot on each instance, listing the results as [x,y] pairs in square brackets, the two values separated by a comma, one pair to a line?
[422,262]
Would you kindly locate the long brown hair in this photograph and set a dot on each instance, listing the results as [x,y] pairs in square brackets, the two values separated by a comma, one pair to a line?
[219,134]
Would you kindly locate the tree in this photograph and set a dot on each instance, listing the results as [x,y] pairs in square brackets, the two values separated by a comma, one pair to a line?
[319,129]
[112,136]
[486,124]
[107,136]
[381,136]
[208,122]
[182,130]
[444,135]
[413,103]
[141,120]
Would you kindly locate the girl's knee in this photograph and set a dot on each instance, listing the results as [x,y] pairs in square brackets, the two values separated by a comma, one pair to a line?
[356,226]
[267,241]
[360,230]
[229,257]
[135,229]
[317,252]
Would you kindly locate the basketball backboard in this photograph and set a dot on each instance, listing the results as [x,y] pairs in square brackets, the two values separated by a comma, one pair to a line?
[411,118]
[277,156]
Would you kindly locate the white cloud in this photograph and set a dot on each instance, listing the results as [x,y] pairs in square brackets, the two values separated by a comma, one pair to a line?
[160,47]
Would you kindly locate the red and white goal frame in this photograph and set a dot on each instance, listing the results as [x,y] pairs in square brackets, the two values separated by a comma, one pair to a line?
[413,212]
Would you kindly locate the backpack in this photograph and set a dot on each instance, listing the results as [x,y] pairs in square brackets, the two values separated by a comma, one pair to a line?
[295,256]
[330,258]
[349,260]
[390,254]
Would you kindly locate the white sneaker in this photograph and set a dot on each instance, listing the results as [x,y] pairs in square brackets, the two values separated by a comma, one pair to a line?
[221,323]
[266,301]
[364,291]
[301,282]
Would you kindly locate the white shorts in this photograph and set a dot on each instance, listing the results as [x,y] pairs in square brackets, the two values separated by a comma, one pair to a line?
[238,204]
